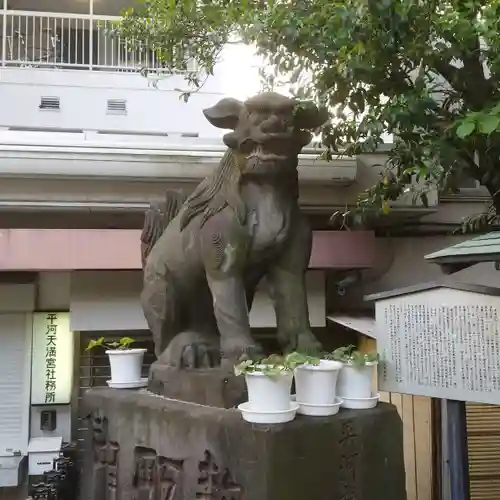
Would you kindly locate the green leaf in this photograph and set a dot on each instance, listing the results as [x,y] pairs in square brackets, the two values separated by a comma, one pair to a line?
[350,355]
[126,342]
[357,358]
[488,124]
[295,359]
[273,359]
[244,367]
[274,364]
[95,343]
[465,129]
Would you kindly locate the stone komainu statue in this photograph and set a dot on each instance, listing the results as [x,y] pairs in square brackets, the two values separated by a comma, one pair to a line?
[204,256]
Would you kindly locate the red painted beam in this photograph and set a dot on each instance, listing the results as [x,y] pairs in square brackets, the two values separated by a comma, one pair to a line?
[85,249]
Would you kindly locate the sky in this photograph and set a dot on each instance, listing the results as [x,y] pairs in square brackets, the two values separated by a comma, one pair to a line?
[240,65]
[241,71]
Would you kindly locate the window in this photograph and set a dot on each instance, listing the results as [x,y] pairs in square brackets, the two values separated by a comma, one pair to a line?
[66,6]
[112,7]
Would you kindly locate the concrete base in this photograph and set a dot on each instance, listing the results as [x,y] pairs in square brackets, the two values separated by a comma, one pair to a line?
[142,446]
[214,387]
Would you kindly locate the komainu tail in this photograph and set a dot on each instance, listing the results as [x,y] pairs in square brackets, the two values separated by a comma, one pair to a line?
[158,217]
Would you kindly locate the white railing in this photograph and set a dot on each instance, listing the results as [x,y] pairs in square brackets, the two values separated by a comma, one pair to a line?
[72,41]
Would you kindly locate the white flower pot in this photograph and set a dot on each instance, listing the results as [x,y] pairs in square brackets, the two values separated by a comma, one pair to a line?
[356,382]
[317,384]
[268,417]
[269,393]
[126,365]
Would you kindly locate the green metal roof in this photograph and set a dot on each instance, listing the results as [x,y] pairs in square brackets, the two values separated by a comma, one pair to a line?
[484,248]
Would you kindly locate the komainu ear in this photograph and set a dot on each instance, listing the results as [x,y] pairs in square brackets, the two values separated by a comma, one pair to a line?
[309,117]
[225,113]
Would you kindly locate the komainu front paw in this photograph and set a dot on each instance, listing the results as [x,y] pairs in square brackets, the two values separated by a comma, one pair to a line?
[200,355]
[236,350]
[192,350]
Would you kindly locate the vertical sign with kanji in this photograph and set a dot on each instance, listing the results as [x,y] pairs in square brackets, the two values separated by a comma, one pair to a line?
[52,362]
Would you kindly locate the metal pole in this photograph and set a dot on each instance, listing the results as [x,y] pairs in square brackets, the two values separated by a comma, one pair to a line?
[4,32]
[445,465]
[458,456]
[91,34]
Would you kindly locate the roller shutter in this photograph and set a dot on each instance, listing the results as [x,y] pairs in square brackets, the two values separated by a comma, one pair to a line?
[15,366]
[483,430]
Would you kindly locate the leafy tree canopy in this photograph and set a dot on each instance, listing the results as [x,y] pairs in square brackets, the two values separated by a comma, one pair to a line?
[426,71]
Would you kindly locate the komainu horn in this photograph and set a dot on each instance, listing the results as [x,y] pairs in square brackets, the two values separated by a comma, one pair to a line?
[204,256]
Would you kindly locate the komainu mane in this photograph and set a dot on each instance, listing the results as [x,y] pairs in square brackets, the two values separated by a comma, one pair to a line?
[204,256]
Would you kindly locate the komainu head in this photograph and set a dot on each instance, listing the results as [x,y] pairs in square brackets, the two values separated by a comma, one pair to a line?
[268,130]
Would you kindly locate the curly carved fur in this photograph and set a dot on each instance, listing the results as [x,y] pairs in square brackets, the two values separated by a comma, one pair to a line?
[216,192]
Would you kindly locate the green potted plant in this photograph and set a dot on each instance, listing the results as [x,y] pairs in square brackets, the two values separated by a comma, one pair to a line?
[355,381]
[269,384]
[316,386]
[125,362]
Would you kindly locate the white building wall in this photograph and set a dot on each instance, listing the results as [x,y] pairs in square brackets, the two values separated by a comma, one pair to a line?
[400,262]
[83,98]
[109,300]
[53,291]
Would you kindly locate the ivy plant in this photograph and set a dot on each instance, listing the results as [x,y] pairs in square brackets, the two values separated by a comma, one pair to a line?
[350,355]
[274,364]
[123,344]
[426,72]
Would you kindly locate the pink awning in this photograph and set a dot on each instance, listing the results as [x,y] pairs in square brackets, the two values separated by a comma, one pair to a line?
[85,249]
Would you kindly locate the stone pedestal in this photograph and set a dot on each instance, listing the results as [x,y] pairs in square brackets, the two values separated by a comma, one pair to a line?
[212,387]
[144,446]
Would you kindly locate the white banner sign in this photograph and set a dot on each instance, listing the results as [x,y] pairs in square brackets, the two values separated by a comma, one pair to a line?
[52,361]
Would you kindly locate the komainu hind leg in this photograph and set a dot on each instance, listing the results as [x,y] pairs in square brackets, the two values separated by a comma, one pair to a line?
[184,337]
[159,306]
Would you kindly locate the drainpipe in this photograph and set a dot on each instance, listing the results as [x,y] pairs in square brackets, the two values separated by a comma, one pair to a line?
[4,32]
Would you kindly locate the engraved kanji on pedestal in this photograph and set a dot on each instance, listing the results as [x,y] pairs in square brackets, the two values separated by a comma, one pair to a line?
[105,458]
[215,483]
[349,447]
[156,477]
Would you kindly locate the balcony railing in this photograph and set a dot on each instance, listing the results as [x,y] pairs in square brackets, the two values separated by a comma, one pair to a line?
[71,41]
